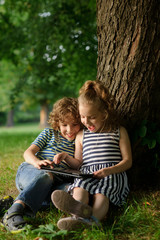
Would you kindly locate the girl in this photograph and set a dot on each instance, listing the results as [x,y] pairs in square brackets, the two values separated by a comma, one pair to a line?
[35,185]
[103,149]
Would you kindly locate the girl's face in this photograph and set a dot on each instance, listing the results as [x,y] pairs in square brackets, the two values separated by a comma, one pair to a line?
[69,128]
[91,117]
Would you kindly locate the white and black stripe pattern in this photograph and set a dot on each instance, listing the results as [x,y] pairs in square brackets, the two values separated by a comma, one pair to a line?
[101,150]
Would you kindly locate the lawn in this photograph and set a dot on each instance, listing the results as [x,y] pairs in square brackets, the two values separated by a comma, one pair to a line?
[138,219]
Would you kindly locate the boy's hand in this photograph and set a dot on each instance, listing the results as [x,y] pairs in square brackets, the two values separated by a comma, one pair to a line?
[40,163]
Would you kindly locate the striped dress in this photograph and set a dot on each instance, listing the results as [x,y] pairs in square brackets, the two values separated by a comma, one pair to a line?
[101,150]
[50,143]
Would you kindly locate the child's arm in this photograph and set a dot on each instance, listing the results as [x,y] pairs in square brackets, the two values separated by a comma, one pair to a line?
[30,157]
[76,162]
[126,161]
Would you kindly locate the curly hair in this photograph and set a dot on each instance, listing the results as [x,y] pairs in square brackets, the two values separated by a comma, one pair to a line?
[63,109]
[95,92]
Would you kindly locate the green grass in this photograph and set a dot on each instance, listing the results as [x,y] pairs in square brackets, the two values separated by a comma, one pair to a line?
[13,143]
[138,219]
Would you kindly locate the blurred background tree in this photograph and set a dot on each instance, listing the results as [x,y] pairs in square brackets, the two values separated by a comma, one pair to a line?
[49,49]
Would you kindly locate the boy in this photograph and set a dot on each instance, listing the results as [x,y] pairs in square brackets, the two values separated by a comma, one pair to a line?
[36,185]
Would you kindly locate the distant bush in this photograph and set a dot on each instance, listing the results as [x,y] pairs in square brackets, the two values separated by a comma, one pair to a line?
[3,117]
[28,116]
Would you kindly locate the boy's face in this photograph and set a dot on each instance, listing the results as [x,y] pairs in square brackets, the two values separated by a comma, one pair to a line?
[69,128]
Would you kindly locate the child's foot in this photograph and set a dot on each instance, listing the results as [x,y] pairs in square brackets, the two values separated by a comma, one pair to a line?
[73,223]
[13,222]
[13,219]
[65,202]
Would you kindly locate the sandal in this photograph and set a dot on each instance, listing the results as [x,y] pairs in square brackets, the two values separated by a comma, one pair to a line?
[73,223]
[13,222]
[65,202]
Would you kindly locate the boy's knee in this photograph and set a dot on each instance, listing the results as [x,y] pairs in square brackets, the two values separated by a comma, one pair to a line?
[50,175]
[46,178]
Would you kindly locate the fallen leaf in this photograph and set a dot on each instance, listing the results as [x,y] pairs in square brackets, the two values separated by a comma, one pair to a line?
[147,203]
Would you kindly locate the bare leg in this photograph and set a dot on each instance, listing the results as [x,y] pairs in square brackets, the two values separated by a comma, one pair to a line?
[100,206]
[65,202]
[19,201]
[100,202]
[100,209]
[81,195]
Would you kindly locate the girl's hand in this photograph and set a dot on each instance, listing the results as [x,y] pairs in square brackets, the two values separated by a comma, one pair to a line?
[59,157]
[102,173]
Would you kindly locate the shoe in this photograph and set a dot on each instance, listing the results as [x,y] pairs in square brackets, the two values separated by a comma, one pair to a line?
[13,222]
[65,202]
[5,203]
[73,223]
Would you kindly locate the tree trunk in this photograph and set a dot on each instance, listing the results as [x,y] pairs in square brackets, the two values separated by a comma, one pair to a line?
[44,115]
[128,56]
[128,63]
[10,121]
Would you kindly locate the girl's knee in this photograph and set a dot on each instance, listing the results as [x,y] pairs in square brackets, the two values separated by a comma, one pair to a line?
[81,194]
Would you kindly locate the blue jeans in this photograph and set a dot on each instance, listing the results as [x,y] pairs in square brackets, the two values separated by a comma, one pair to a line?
[35,186]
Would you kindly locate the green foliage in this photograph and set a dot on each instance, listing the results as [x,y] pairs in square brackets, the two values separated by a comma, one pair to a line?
[147,134]
[53,45]
[2,118]
[49,231]
[9,75]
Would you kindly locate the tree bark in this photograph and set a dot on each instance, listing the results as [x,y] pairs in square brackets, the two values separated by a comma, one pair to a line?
[128,56]
[128,63]
[44,115]
[10,120]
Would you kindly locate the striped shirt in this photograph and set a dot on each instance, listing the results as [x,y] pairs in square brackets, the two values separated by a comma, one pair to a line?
[51,142]
[100,148]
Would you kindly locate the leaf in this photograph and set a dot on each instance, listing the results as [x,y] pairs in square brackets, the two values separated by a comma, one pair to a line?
[48,231]
[147,203]
[158,137]
[152,144]
[143,131]
[145,141]
[48,228]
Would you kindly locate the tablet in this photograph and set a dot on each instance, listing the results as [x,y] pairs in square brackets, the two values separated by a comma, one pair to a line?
[68,172]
